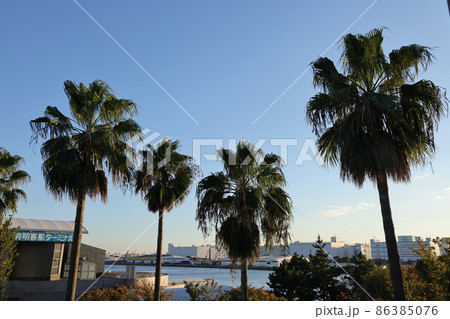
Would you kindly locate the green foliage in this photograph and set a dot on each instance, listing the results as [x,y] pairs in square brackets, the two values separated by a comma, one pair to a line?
[136,292]
[358,268]
[372,118]
[324,276]
[203,292]
[118,293]
[8,253]
[434,280]
[165,179]
[291,280]
[378,284]
[315,279]
[81,148]
[11,177]
[254,294]
[308,279]
[427,280]
[341,259]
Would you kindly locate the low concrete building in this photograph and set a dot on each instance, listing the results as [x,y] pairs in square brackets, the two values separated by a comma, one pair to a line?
[335,248]
[43,247]
[276,251]
[270,261]
[44,253]
[131,275]
[263,261]
[203,251]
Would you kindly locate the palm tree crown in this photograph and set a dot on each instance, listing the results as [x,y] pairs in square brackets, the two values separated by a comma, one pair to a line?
[165,177]
[11,177]
[81,148]
[244,202]
[373,118]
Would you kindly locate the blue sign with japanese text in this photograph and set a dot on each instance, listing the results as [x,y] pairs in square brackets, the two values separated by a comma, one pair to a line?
[44,237]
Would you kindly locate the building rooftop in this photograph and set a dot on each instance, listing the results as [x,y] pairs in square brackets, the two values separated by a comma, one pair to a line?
[42,225]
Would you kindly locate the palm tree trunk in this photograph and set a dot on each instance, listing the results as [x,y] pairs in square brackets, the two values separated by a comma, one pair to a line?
[159,257]
[391,241]
[244,280]
[75,253]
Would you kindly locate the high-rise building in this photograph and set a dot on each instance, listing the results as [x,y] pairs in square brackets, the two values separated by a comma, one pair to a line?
[406,246]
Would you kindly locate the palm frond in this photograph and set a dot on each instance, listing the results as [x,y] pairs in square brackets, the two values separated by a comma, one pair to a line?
[51,125]
[405,62]
[11,177]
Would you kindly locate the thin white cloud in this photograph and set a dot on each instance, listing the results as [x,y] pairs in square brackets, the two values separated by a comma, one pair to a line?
[342,210]
[423,176]
[444,193]
[331,212]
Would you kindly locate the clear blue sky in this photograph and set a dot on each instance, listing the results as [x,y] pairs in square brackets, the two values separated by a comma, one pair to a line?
[225,62]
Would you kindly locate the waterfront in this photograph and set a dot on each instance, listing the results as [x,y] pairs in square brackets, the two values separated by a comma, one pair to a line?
[223,276]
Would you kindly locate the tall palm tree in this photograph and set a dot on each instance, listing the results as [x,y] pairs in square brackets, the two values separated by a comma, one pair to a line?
[164,181]
[375,121]
[244,202]
[11,177]
[82,148]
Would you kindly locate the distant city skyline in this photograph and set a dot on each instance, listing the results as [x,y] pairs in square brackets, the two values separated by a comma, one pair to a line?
[225,63]
[367,242]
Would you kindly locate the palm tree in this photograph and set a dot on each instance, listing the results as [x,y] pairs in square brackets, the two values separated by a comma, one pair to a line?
[375,121]
[81,149]
[244,202]
[164,182]
[11,177]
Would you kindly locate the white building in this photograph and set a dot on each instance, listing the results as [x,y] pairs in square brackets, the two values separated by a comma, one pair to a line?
[263,261]
[445,245]
[206,252]
[270,261]
[276,251]
[334,248]
[151,259]
[405,245]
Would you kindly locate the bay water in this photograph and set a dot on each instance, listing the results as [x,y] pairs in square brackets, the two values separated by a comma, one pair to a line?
[223,276]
